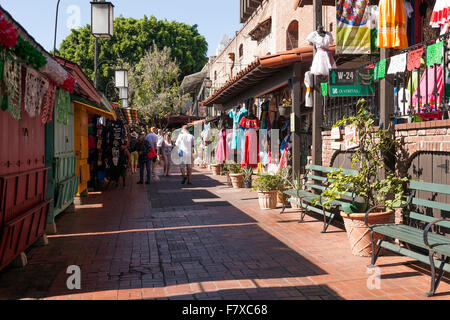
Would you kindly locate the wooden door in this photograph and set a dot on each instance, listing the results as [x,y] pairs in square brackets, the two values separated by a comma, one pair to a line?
[81,147]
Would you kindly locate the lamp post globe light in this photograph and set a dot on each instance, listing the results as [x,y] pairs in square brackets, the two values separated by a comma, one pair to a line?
[102,19]
[123,93]
[121,78]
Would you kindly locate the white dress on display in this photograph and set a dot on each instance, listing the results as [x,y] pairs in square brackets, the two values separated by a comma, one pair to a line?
[323,60]
[309,81]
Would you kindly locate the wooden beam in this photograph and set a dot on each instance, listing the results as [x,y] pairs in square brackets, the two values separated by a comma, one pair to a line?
[317,110]
[296,95]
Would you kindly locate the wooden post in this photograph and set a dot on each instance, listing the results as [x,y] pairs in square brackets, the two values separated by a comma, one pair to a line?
[317,109]
[387,108]
[296,94]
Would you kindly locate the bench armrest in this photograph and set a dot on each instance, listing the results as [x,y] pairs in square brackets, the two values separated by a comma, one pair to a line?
[366,218]
[427,230]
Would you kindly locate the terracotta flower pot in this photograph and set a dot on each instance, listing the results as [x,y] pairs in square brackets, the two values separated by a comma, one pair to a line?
[215,169]
[267,199]
[359,234]
[282,198]
[237,180]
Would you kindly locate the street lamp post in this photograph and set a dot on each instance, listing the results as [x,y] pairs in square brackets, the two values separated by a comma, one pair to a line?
[102,26]
[56,27]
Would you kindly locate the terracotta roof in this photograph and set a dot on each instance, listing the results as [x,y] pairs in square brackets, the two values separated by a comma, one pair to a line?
[266,65]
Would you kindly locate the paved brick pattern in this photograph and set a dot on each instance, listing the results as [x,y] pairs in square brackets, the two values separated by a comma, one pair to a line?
[205,241]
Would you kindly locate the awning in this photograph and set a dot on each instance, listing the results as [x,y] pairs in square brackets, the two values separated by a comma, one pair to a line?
[258,71]
[95,110]
[193,82]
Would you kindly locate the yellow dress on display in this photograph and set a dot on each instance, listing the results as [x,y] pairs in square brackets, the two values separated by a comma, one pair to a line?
[392,25]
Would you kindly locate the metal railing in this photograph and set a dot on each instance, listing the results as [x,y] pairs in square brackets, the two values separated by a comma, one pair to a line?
[419,94]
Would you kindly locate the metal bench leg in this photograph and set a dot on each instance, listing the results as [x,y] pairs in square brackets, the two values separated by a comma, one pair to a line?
[376,254]
[284,208]
[435,281]
[326,223]
[303,211]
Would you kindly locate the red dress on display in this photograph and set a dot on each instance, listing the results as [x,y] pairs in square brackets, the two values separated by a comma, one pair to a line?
[251,146]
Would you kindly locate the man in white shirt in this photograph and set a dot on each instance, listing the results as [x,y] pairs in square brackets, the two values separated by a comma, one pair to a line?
[185,144]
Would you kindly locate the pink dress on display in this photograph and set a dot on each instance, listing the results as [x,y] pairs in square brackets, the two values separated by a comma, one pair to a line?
[221,149]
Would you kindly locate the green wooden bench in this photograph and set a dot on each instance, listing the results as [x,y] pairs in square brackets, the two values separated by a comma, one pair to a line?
[315,182]
[427,238]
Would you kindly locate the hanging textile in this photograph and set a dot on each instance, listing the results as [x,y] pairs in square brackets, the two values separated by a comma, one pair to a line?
[392,25]
[309,81]
[238,136]
[439,16]
[414,59]
[397,64]
[62,106]
[265,115]
[35,88]
[251,145]
[323,60]
[47,103]
[13,80]
[221,148]
[430,82]
[353,27]
[435,53]
[3,88]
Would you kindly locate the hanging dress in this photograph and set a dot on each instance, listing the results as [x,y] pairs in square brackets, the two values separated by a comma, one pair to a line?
[251,146]
[238,135]
[309,81]
[439,17]
[323,60]
[221,149]
[392,25]
[434,101]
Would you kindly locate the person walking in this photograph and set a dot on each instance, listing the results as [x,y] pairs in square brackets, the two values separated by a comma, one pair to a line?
[124,163]
[185,144]
[134,154]
[159,145]
[143,148]
[152,139]
[167,153]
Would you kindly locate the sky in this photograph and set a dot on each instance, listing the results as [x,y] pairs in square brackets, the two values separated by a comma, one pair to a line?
[214,18]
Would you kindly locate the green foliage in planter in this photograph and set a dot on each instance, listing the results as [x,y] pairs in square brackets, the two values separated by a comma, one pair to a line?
[234,168]
[248,173]
[267,182]
[368,159]
[285,178]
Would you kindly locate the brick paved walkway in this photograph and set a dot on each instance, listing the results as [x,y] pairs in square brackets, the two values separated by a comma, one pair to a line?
[205,241]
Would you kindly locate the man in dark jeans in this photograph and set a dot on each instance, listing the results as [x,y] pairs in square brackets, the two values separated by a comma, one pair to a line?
[143,147]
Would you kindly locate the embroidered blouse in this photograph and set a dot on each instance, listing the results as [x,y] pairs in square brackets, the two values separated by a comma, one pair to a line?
[249,124]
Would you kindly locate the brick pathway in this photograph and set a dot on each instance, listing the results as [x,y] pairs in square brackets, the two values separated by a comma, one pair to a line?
[205,241]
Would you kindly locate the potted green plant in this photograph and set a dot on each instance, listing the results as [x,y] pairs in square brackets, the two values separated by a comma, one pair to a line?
[296,183]
[284,178]
[285,107]
[215,167]
[236,175]
[248,174]
[267,187]
[379,194]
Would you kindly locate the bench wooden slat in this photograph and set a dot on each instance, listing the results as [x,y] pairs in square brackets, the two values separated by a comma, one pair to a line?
[428,219]
[311,208]
[330,169]
[431,187]
[414,236]
[313,177]
[322,188]
[431,204]
[414,255]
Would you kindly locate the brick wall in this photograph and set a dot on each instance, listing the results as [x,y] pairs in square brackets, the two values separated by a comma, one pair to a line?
[415,137]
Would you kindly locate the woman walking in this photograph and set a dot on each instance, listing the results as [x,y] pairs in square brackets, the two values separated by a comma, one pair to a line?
[167,153]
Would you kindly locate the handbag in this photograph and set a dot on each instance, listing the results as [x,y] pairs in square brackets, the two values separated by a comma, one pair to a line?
[152,153]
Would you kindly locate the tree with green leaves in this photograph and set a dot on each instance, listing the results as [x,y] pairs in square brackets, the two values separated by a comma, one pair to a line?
[154,86]
[132,39]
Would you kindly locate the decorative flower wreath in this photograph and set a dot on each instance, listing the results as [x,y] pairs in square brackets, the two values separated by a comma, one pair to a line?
[8,33]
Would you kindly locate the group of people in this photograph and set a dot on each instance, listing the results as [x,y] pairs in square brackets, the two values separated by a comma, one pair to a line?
[144,151]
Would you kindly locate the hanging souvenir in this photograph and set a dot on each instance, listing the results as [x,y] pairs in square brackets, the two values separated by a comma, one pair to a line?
[414,59]
[397,64]
[439,17]
[13,80]
[35,89]
[55,72]
[8,33]
[323,60]
[309,81]
[47,103]
[392,25]
[62,106]
[29,54]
